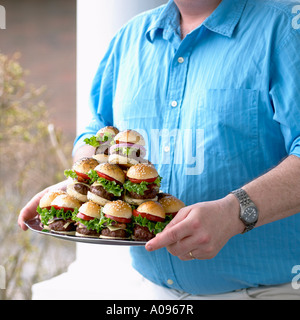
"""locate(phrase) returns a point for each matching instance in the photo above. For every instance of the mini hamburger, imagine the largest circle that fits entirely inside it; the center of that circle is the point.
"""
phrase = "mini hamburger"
(142, 184)
(59, 217)
(107, 184)
(102, 142)
(88, 220)
(128, 149)
(171, 205)
(80, 170)
(116, 220)
(46, 200)
(148, 221)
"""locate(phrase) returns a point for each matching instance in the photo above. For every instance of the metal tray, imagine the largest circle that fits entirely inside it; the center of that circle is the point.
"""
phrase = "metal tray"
(34, 225)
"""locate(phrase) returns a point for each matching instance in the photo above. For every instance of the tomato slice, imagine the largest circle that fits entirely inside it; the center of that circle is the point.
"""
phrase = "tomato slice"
(82, 177)
(84, 217)
(147, 216)
(141, 180)
(102, 175)
(65, 208)
(118, 219)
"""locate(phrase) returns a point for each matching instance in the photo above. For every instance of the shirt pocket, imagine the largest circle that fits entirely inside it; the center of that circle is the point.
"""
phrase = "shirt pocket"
(229, 118)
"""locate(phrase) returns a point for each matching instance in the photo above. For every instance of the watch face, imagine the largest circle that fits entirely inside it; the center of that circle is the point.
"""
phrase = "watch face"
(250, 214)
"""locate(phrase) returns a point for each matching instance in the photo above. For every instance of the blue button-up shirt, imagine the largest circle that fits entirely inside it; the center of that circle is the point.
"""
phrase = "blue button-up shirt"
(217, 109)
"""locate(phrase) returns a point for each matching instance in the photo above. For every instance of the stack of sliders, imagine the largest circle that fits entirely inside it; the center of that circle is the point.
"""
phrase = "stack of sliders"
(113, 195)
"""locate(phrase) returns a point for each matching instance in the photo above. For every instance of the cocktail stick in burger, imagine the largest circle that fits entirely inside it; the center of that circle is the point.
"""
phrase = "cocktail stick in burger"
(142, 184)
(88, 220)
(128, 150)
(108, 183)
(149, 220)
(116, 220)
(102, 142)
(59, 217)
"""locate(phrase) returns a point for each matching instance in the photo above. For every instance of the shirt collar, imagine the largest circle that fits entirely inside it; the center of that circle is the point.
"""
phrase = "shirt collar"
(223, 20)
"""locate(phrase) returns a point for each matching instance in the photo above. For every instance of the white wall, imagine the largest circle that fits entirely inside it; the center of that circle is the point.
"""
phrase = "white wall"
(97, 22)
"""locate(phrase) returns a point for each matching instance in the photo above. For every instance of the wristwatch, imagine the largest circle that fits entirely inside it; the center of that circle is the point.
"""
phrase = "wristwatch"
(248, 210)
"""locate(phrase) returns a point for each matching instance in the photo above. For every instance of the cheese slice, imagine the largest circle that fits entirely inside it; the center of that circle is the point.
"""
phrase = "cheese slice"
(113, 228)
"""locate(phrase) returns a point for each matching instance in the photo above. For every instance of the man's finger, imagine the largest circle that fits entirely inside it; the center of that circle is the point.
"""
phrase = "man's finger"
(168, 237)
(180, 216)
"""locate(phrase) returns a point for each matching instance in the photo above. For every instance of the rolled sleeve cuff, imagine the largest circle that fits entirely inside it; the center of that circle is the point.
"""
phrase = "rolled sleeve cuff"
(295, 148)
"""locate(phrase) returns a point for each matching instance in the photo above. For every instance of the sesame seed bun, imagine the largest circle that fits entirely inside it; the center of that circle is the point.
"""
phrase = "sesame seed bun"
(91, 209)
(108, 129)
(171, 204)
(130, 136)
(112, 171)
(152, 207)
(84, 165)
(118, 209)
(47, 199)
(142, 171)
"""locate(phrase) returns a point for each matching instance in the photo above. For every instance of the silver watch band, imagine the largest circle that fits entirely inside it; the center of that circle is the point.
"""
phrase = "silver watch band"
(245, 202)
(242, 196)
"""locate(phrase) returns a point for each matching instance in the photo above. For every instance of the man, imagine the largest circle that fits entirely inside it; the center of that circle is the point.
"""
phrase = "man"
(223, 74)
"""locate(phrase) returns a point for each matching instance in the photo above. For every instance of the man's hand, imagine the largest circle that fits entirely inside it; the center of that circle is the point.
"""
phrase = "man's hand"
(29, 211)
(200, 231)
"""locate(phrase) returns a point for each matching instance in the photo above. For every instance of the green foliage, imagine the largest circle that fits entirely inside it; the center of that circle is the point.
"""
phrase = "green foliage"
(29, 162)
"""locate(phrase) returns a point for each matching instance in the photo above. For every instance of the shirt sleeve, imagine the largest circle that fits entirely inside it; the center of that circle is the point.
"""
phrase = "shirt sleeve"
(285, 89)
(100, 102)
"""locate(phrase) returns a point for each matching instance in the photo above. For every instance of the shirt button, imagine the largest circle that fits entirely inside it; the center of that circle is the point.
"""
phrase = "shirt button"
(170, 282)
(167, 149)
(180, 60)
(174, 104)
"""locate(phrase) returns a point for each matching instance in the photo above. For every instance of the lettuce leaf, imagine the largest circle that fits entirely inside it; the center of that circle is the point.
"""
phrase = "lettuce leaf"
(104, 222)
(92, 141)
(47, 215)
(140, 188)
(110, 186)
(155, 227)
(90, 225)
(96, 141)
(71, 174)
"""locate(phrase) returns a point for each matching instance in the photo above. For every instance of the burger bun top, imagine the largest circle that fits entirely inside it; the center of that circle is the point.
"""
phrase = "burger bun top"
(109, 129)
(171, 204)
(142, 171)
(84, 165)
(152, 207)
(119, 209)
(111, 170)
(66, 201)
(130, 136)
(91, 209)
(48, 197)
